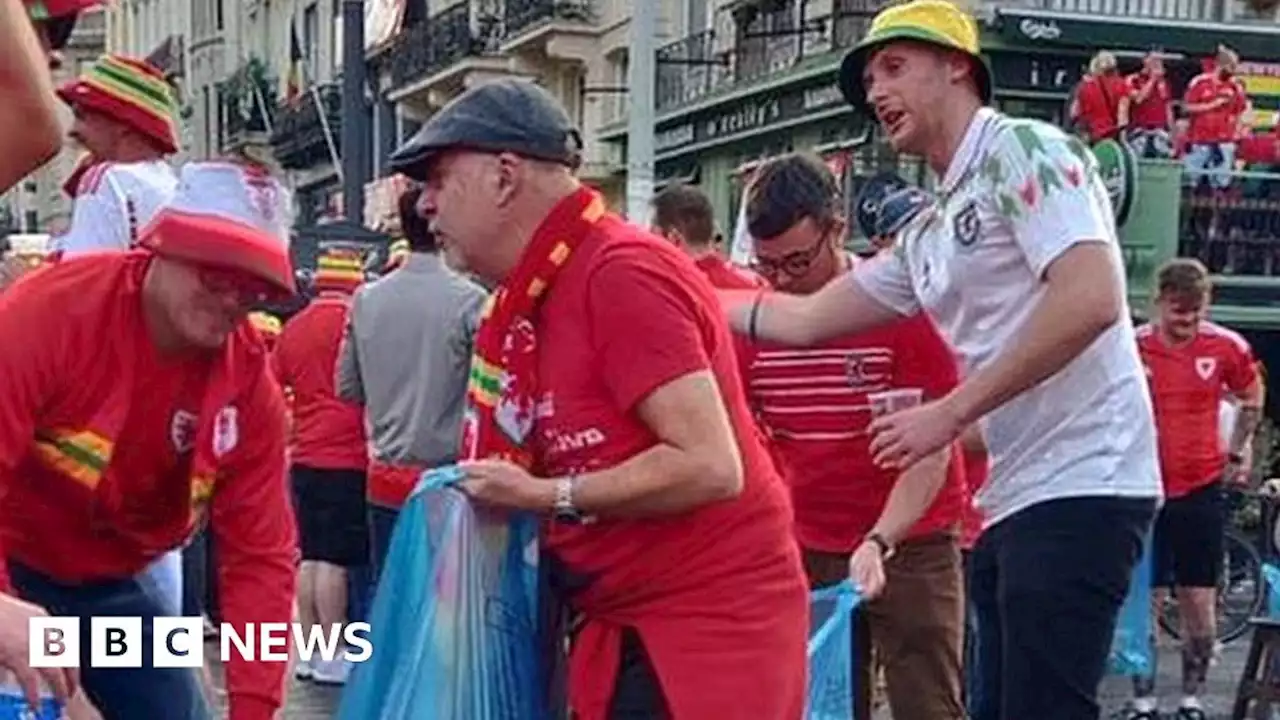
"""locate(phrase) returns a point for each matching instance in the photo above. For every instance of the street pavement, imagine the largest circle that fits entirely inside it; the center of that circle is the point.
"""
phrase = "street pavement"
(307, 701)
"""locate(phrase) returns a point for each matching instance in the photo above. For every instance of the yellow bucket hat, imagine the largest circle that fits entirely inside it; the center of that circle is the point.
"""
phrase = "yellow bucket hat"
(936, 22)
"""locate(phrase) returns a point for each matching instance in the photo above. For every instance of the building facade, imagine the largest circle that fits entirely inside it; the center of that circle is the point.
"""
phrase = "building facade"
(758, 77)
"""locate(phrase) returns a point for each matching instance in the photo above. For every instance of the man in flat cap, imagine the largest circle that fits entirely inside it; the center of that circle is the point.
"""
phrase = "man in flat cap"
(1019, 265)
(604, 365)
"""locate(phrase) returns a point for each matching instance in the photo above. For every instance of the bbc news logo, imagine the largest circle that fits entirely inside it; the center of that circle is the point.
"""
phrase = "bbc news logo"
(178, 642)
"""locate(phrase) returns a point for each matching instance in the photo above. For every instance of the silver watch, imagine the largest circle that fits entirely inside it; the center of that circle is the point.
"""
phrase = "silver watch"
(564, 508)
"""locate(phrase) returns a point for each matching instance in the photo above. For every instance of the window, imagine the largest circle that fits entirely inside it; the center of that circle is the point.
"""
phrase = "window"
(217, 15)
(32, 221)
(310, 35)
(31, 186)
(697, 17)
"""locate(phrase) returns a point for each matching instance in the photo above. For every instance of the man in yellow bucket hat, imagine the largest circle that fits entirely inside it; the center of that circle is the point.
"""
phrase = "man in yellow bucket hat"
(1018, 264)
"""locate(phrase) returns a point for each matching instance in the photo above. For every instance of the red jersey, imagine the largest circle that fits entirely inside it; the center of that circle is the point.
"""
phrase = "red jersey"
(1153, 112)
(726, 276)
(328, 433)
(814, 403)
(98, 446)
(714, 593)
(1098, 104)
(1219, 125)
(1188, 382)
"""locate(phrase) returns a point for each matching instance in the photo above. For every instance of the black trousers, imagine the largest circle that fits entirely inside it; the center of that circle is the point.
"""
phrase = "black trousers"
(637, 694)
(1047, 585)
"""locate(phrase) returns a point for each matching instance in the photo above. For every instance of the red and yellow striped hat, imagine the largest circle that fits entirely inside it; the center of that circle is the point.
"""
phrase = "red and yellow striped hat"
(397, 254)
(130, 91)
(340, 269)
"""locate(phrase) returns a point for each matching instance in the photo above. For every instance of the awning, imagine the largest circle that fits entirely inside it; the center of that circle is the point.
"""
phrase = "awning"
(382, 19)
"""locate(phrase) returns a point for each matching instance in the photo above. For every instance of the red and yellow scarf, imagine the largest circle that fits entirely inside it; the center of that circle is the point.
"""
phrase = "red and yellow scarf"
(502, 392)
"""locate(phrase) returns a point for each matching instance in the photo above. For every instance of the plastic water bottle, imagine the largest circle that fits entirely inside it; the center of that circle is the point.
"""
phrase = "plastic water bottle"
(14, 706)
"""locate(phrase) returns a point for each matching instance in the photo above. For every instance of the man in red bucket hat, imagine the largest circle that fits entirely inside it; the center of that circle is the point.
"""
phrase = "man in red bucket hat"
(124, 117)
(146, 408)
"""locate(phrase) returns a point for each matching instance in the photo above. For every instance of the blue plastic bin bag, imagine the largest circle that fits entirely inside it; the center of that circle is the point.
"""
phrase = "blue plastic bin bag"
(1133, 645)
(454, 622)
(831, 652)
(1271, 575)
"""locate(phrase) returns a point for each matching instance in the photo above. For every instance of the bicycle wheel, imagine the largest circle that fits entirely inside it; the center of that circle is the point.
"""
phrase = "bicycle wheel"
(1241, 591)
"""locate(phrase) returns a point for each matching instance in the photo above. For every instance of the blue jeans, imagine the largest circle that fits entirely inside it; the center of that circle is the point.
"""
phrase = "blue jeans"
(1047, 585)
(145, 693)
(972, 670)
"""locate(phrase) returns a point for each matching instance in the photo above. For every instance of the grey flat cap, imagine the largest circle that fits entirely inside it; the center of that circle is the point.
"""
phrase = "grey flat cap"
(516, 116)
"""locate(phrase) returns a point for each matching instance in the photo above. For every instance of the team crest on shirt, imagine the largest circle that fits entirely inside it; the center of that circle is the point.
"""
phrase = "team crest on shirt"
(1205, 367)
(855, 371)
(182, 431)
(966, 225)
(226, 431)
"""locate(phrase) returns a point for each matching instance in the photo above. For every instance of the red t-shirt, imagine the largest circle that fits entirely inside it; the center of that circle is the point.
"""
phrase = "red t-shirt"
(726, 276)
(1188, 382)
(1220, 125)
(1098, 104)
(328, 433)
(79, 506)
(1260, 149)
(1153, 112)
(814, 403)
(713, 593)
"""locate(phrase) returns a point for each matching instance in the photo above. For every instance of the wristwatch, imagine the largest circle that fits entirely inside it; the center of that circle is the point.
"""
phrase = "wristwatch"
(565, 511)
(886, 548)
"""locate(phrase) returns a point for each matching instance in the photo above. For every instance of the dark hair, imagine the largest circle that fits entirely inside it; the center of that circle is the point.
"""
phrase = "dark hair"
(416, 229)
(1183, 277)
(687, 209)
(788, 189)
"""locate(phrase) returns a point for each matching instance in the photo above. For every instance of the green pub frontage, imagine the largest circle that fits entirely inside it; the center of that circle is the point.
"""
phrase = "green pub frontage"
(1037, 57)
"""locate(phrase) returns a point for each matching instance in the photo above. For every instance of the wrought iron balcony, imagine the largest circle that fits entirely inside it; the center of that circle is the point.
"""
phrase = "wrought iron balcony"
(521, 15)
(755, 42)
(299, 137)
(424, 49)
(246, 108)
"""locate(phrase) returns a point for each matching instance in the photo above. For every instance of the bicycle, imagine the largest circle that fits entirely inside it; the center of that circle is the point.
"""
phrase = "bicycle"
(1242, 591)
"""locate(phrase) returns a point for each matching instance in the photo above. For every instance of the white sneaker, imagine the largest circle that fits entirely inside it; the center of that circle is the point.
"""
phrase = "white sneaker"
(329, 672)
(303, 670)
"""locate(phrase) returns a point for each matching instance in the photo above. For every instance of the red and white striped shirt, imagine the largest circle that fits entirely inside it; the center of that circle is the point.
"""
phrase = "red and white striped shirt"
(813, 402)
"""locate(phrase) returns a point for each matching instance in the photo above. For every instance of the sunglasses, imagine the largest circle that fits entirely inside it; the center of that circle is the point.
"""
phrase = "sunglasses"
(246, 289)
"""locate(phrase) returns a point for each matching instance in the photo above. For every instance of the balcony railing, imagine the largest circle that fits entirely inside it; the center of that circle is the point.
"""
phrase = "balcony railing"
(299, 137)
(521, 15)
(754, 46)
(243, 98)
(436, 43)
(1234, 230)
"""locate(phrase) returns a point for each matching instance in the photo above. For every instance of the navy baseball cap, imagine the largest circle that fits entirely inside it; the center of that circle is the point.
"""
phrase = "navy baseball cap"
(509, 115)
(887, 203)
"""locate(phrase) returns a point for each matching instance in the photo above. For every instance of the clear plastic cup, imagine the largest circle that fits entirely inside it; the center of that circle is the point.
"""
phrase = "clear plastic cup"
(888, 402)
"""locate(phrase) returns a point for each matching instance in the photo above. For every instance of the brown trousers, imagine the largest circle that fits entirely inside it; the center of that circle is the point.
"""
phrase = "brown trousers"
(916, 628)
